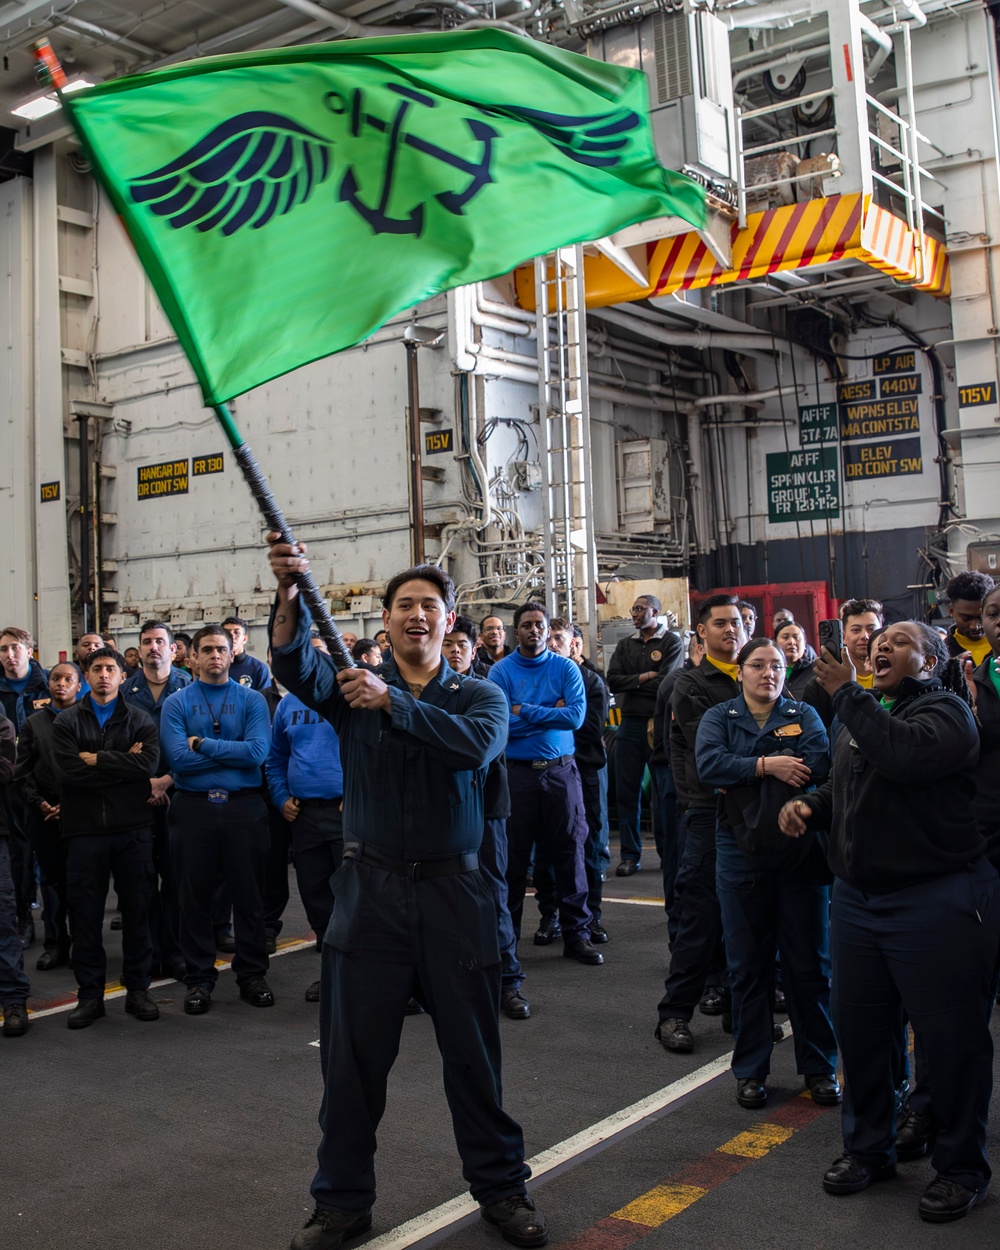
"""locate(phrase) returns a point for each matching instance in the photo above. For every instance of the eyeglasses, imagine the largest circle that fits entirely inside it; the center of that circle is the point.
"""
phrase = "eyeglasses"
(759, 666)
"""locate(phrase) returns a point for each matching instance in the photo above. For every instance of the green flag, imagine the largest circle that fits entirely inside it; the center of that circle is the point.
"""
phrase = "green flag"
(287, 203)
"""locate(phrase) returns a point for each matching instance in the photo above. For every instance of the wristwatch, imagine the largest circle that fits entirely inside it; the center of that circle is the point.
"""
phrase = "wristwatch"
(196, 745)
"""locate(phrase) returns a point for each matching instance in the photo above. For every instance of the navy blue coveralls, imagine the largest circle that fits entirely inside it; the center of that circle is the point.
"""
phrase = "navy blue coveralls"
(412, 912)
(634, 656)
(775, 898)
(592, 765)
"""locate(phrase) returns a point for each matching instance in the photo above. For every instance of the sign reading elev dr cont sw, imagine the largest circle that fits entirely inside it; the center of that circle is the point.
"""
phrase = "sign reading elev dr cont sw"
(884, 458)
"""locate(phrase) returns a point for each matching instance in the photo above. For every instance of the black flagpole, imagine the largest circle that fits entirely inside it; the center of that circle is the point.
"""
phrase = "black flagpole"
(254, 477)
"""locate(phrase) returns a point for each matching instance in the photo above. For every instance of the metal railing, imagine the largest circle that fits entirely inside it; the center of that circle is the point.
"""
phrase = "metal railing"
(564, 416)
(908, 181)
(745, 153)
(912, 174)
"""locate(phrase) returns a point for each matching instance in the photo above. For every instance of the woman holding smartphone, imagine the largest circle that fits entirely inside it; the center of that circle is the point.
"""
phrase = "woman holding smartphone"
(758, 749)
(916, 910)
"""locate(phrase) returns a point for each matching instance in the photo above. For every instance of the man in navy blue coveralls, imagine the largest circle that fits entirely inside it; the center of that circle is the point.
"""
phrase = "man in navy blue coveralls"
(412, 913)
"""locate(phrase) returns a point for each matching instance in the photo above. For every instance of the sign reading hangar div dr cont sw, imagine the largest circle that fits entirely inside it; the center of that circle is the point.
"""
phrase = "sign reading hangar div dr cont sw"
(171, 477)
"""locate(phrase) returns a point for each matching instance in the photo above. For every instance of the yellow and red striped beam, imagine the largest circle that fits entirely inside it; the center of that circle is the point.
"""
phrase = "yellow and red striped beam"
(794, 236)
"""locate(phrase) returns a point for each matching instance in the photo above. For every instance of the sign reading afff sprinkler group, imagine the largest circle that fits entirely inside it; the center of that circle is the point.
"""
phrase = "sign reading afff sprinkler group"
(803, 485)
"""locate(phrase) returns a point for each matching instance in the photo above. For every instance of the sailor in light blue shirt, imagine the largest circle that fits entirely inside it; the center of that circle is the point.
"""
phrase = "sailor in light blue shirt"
(547, 701)
(215, 735)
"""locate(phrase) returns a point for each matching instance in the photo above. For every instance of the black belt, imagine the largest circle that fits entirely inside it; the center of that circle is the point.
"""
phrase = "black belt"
(230, 794)
(416, 869)
(541, 765)
(322, 802)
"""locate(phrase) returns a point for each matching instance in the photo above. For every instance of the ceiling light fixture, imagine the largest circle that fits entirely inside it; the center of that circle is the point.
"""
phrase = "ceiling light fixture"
(37, 106)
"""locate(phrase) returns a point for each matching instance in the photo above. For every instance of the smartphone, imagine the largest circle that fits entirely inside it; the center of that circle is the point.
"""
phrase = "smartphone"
(831, 636)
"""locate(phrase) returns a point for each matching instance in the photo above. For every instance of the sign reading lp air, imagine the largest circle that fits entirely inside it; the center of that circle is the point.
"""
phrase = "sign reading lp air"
(895, 362)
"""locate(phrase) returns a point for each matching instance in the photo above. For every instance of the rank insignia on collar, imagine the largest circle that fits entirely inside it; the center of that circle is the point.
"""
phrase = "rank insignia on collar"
(453, 686)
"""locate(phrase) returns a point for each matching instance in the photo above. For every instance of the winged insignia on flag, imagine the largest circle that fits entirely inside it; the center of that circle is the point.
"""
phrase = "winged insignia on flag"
(257, 166)
(245, 171)
(591, 140)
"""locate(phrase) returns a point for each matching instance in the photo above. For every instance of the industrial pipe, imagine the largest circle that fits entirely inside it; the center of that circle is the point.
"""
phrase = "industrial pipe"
(342, 27)
(85, 509)
(416, 471)
(766, 16)
(415, 337)
(701, 340)
(738, 400)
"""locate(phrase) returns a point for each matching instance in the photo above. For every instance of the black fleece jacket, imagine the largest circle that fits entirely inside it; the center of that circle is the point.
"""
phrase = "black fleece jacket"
(37, 773)
(695, 691)
(636, 655)
(496, 788)
(113, 793)
(986, 805)
(898, 804)
(799, 679)
(588, 740)
(662, 714)
(8, 754)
